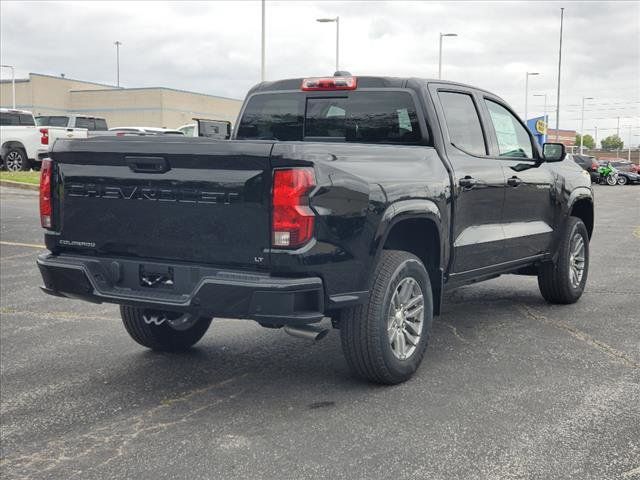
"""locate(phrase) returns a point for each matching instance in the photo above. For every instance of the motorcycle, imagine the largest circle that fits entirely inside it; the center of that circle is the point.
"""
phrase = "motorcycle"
(608, 174)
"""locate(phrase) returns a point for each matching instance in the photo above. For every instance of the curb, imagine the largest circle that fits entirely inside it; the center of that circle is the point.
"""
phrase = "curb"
(24, 186)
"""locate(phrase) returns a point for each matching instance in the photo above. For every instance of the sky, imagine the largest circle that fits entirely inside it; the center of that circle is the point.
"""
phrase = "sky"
(214, 47)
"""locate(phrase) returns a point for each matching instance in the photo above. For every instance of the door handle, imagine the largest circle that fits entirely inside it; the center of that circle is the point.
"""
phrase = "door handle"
(514, 181)
(148, 164)
(468, 182)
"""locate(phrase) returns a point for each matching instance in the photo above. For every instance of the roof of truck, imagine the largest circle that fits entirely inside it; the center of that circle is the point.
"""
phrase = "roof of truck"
(364, 81)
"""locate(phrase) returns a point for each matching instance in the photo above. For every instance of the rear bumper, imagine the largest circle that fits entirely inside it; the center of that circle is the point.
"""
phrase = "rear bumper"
(201, 290)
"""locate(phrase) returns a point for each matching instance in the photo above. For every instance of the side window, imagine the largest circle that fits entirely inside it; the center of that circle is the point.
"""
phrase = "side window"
(463, 122)
(9, 118)
(101, 124)
(85, 122)
(27, 120)
(513, 140)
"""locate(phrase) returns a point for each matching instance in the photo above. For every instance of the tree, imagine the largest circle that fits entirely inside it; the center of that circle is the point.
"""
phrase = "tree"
(612, 142)
(587, 142)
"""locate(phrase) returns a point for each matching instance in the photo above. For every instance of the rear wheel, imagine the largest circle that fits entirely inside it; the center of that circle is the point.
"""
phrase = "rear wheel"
(385, 339)
(162, 330)
(16, 160)
(563, 281)
(622, 180)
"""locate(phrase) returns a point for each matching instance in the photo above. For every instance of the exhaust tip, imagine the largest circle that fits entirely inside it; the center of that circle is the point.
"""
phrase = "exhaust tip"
(315, 333)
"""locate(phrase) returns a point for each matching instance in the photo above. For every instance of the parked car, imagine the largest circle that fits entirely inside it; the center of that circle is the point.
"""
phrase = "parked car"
(628, 177)
(20, 140)
(145, 131)
(359, 199)
(217, 129)
(588, 163)
(625, 166)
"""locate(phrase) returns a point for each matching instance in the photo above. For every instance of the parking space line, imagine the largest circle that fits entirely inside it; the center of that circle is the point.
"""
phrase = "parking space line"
(584, 337)
(636, 232)
(28, 245)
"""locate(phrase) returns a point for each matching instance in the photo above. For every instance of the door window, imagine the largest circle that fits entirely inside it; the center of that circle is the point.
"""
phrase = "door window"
(513, 139)
(463, 122)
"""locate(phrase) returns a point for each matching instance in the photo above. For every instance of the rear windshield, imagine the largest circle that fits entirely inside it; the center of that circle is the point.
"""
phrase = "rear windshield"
(15, 118)
(57, 121)
(362, 117)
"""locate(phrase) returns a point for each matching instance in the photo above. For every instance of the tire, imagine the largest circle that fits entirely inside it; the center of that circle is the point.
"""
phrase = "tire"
(16, 160)
(163, 337)
(556, 281)
(364, 330)
(622, 180)
(611, 180)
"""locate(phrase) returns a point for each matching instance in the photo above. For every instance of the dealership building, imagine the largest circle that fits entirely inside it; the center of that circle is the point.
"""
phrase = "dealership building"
(149, 107)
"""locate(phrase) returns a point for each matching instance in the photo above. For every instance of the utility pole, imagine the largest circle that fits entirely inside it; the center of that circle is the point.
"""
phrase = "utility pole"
(596, 129)
(559, 73)
(618, 128)
(117, 44)
(13, 82)
(262, 65)
(582, 123)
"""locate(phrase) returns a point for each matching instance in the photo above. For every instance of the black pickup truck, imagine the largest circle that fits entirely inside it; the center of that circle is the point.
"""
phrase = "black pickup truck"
(360, 199)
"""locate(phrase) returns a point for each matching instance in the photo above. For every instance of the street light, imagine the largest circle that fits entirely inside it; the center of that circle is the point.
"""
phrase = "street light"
(337, 20)
(117, 43)
(13, 82)
(440, 54)
(546, 121)
(526, 94)
(582, 123)
(262, 46)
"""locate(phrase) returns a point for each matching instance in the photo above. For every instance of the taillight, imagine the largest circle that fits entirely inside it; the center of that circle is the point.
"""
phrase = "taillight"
(293, 219)
(44, 136)
(46, 210)
(329, 83)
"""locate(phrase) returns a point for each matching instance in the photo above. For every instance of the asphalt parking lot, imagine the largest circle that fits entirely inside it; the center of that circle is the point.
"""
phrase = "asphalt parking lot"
(511, 387)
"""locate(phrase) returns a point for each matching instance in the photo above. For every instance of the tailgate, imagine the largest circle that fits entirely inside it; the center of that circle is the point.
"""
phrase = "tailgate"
(191, 200)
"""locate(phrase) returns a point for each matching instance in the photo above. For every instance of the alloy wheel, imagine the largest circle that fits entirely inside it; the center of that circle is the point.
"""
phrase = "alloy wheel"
(576, 260)
(405, 318)
(14, 160)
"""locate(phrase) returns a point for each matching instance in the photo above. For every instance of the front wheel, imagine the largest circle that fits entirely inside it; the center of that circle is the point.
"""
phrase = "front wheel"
(385, 339)
(612, 180)
(563, 281)
(161, 330)
(622, 180)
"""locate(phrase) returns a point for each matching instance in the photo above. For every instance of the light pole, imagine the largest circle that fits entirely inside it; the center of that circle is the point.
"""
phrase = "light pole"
(337, 20)
(13, 82)
(544, 115)
(117, 43)
(559, 72)
(440, 52)
(526, 94)
(262, 63)
(582, 123)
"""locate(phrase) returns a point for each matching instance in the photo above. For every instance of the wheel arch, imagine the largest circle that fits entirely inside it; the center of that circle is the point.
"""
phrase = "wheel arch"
(9, 144)
(415, 226)
(581, 206)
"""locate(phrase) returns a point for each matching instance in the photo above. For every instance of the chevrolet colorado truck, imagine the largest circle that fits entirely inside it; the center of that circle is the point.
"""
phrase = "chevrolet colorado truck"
(360, 199)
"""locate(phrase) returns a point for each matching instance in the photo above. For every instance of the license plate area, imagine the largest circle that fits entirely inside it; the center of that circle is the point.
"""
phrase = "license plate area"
(155, 276)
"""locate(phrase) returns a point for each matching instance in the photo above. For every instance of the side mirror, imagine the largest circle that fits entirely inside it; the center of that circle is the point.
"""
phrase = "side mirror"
(554, 152)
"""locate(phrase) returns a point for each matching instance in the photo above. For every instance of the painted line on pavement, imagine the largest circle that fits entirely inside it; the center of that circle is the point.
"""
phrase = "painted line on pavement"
(18, 244)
